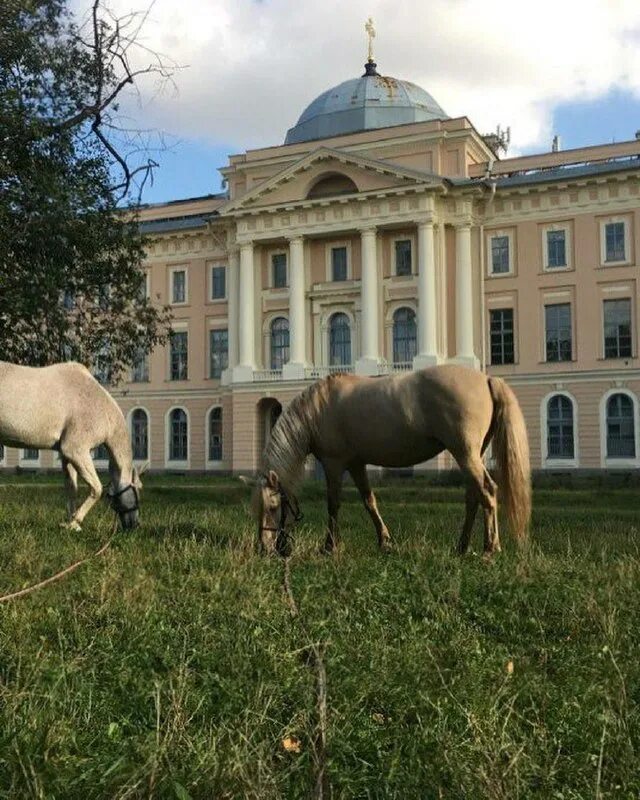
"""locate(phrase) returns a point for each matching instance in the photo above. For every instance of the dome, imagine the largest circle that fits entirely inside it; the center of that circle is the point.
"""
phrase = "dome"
(363, 104)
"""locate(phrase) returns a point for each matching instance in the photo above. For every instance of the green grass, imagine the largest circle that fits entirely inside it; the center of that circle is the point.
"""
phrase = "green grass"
(170, 667)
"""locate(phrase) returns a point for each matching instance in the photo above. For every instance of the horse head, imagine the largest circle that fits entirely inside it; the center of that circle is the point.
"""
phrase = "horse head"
(125, 500)
(274, 511)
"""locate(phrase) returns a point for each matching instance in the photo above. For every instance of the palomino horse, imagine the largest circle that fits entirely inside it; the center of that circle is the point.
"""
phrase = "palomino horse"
(64, 408)
(347, 422)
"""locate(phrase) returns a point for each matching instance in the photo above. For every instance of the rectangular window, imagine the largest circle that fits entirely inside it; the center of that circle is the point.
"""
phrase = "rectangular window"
(179, 367)
(279, 270)
(30, 454)
(556, 249)
(557, 321)
(403, 257)
(143, 292)
(617, 328)
(338, 263)
(140, 369)
(499, 255)
(614, 241)
(179, 286)
(218, 283)
(501, 331)
(218, 352)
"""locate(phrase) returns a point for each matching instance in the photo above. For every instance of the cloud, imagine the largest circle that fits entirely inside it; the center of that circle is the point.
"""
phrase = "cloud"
(252, 67)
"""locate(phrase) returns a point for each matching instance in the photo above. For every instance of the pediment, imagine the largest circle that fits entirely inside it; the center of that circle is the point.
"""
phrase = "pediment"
(294, 183)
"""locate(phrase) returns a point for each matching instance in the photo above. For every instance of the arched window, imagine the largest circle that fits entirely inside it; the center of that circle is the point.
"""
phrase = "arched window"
(331, 185)
(339, 340)
(404, 335)
(279, 342)
(560, 427)
(140, 434)
(100, 453)
(621, 433)
(178, 435)
(215, 434)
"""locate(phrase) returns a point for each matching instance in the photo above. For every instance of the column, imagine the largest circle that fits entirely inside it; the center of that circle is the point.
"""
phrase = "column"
(232, 313)
(294, 368)
(464, 297)
(368, 363)
(427, 315)
(243, 371)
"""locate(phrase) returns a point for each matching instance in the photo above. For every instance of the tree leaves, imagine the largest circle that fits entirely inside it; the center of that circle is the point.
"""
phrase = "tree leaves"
(71, 284)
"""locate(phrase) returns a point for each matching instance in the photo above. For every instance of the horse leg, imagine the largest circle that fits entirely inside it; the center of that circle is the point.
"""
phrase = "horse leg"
(86, 470)
(333, 474)
(472, 503)
(71, 486)
(361, 480)
(485, 487)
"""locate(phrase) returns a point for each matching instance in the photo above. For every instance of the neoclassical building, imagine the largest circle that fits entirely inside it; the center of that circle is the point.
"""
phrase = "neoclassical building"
(384, 236)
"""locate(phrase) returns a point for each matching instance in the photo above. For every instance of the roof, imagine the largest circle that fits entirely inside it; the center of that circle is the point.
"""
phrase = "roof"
(175, 223)
(560, 174)
(369, 102)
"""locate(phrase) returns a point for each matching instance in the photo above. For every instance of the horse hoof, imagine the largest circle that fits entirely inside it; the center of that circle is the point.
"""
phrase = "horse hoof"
(386, 546)
(71, 526)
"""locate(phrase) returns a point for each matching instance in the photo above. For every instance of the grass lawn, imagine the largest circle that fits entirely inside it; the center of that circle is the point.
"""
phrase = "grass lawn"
(170, 667)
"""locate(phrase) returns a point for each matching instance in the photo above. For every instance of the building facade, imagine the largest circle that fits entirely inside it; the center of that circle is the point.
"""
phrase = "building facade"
(384, 236)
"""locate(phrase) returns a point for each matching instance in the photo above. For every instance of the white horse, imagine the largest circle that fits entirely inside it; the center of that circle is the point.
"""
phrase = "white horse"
(62, 407)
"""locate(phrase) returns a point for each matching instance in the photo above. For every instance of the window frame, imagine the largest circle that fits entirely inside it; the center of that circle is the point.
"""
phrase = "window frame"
(496, 309)
(550, 462)
(224, 297)
(552, 228)
(332, 245)
(177, 331)
(133, 379)
(396, 310)
(283, 347)
(412, 256)
(212, 330)
(214, 463)
(172, 273)
(271, 280)
(351, 339)
(168, 462)
(631, 354)
(546, 341)
(130, 414)
(613, 220)
(605, 460)
(502, 233)
(28, 462)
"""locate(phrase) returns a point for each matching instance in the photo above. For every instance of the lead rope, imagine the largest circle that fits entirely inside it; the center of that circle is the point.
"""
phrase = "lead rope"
(315, 659)
(66, 571)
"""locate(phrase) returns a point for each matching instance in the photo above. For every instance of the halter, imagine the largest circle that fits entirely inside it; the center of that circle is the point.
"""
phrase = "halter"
(114, 496)
(284, 537)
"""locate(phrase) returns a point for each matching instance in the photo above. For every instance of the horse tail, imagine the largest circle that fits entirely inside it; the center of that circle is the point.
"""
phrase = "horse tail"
(511, 451)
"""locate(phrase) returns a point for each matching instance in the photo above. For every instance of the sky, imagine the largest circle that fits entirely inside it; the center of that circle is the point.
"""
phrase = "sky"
(248, 68)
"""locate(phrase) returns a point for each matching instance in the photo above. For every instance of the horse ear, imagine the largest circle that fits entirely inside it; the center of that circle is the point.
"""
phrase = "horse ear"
(135, 478)
(272, 479)
(247, 480)
(143, 469)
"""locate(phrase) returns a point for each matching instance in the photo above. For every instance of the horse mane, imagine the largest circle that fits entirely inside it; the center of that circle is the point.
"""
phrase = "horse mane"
(294, 432)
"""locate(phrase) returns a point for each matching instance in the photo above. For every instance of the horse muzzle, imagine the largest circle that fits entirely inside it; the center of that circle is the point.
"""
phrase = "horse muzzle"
(126, 504)
(129, 519)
